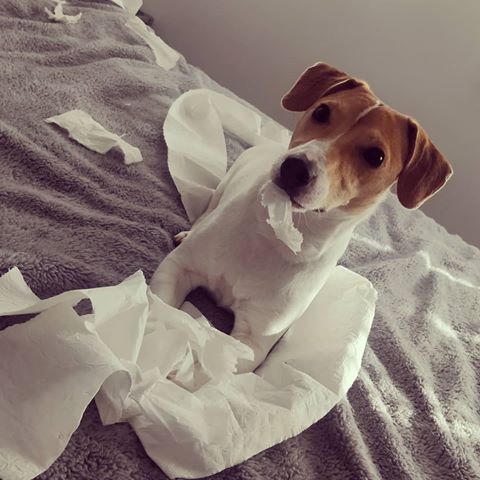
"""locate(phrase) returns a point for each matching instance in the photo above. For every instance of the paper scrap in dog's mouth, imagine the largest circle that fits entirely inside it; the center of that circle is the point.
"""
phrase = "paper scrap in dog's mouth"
(168, 373)
(279, 206)
(89, 133)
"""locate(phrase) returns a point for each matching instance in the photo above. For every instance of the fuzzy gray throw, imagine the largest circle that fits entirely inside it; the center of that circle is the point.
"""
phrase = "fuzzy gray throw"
(72, 218)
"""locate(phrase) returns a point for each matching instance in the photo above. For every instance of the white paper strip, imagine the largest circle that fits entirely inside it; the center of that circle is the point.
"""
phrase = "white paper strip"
(88, 132)
(165, 56)
(131, 6)
(168, 374)
(58, 16)
(197, 154)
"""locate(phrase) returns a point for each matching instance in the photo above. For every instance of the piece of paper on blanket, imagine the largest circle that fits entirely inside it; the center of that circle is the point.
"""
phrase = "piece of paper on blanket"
(165, 56)
(59, 16)
(89, 133)
(168, 374)
(197, 155)
(131, 6)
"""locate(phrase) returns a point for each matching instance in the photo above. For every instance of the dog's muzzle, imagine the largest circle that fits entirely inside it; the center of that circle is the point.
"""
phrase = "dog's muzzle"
(295, 174)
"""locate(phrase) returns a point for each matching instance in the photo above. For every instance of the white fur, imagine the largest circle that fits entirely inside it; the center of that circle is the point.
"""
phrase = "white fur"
(232, 251)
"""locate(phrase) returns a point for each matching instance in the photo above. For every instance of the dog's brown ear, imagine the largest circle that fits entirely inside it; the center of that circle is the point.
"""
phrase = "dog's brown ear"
(426, 170)
(314, 83)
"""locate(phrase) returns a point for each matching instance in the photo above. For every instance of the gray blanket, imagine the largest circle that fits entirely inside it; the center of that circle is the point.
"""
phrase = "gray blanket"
(71, 218)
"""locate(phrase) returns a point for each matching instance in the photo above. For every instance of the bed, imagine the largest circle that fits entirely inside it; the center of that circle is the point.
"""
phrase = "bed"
(71, 218)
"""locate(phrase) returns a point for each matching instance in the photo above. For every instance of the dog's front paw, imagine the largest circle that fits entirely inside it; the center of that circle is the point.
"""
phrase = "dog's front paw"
(247, 366)
(181, 236)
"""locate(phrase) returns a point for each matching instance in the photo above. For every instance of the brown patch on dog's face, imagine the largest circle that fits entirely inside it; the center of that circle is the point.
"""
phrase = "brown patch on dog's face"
(356, 183)
(363, 147)
(344, 108)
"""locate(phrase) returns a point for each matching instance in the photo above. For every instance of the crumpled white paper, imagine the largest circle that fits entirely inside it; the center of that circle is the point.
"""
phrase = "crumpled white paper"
(168, 374)
(88, 132)
(165, 56)
(58, 16)
(197, 154)
(280, 218)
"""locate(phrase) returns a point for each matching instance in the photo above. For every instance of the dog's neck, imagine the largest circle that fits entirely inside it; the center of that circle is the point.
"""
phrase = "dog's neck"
(325, 235)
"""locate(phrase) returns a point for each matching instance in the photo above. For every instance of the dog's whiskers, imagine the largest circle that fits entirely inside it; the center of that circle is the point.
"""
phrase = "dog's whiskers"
(305, 217)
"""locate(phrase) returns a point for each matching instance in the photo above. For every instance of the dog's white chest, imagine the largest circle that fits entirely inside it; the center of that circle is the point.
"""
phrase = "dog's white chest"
(234, 253)
(222, 289)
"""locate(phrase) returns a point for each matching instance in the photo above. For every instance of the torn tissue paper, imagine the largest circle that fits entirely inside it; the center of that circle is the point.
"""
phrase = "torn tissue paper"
(131, 6)
(279, 208)
(168, 374)
(88, 132)
(165, 56)
(58, 16)
(197, 154)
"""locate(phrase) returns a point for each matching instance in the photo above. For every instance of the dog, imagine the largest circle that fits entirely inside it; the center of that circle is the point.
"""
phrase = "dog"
(346, 152)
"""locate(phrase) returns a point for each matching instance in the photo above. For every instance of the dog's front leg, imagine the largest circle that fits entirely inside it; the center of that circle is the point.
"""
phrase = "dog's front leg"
(172, 281)
(261, 344)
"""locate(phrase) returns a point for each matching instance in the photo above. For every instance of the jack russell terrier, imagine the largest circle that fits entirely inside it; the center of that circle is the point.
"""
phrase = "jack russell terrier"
(346, 151)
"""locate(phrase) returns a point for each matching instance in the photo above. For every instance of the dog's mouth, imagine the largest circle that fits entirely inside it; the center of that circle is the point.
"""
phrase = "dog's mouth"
(295, 204)
(298, 207)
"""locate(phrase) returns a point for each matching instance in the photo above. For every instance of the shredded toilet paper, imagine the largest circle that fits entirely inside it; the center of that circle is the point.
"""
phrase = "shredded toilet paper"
(198, 162)
(58, 16)
(168, 374)
(165, 56)
(280, 218)
(131, 6)
(88, 132)
(197, 154)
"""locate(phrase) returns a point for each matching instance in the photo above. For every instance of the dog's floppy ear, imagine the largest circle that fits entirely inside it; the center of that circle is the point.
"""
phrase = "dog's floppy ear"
(315, 82)
(426, 170)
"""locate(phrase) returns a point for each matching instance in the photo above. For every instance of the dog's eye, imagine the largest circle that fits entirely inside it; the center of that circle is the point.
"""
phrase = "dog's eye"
(373, 156)
(322, 113)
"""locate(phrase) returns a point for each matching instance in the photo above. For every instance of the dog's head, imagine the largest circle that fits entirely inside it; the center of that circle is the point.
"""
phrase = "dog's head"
(348, 148)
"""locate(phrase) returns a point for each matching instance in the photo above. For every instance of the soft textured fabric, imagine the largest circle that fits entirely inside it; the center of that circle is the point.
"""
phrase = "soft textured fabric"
(72, 218)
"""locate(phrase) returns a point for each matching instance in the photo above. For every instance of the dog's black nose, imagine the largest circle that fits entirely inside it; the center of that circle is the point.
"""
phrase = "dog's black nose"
(294, 173)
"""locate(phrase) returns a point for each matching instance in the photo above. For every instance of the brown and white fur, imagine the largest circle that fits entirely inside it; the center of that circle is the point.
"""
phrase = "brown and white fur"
(233, 252)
